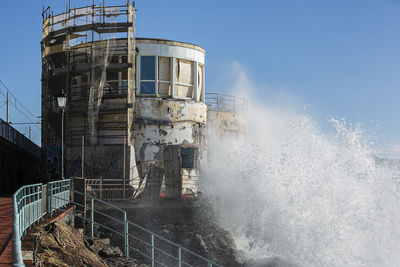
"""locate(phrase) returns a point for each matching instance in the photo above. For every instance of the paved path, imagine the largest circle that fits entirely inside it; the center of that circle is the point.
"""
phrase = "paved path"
(5, 232)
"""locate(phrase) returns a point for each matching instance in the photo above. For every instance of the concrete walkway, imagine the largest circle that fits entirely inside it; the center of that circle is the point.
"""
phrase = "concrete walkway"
(5, 232)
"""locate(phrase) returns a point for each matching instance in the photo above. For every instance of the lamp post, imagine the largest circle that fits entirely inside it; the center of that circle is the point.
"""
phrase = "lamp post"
(62, 101)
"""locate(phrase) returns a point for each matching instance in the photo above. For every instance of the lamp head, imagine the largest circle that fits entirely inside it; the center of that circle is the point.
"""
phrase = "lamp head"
(62, 100)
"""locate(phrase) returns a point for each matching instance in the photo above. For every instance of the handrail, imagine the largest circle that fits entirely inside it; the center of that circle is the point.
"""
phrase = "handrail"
(27, 210)
(28, 202)
(226, 103)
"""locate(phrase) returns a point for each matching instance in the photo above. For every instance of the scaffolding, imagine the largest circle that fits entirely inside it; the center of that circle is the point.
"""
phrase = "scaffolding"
(88, 54)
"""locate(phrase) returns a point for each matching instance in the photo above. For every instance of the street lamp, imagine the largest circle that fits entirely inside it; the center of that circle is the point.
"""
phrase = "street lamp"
(62, 101)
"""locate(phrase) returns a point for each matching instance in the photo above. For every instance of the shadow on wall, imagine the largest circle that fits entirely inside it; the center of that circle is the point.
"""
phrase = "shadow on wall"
(17, 168)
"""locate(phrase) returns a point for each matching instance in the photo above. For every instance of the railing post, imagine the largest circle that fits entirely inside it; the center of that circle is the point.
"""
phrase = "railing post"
(126, 237)
(17, 254)
(152, 250)
(91, 217)
(179, 256)
(101, 187)
(48, 194)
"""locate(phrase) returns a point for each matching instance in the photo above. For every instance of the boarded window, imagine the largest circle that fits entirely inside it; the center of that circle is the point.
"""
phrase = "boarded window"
(184, 78)
(200, 71)
(164, 76)
(187, 157)
(184, 72)
(164, 89)
(164, 69)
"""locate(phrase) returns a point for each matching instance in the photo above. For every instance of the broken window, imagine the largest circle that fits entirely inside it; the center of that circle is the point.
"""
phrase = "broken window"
(187, 157)
(147, 74)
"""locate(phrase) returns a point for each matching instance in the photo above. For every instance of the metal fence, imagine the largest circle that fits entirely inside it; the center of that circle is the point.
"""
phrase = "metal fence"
(226, 103)
(109, 189)
(152, 248)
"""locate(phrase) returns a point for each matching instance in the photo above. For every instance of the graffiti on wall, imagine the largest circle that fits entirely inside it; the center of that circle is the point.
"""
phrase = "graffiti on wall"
(52, 163)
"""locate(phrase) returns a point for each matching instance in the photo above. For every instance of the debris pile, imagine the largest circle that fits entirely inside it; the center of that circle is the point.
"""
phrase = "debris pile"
(60, 245)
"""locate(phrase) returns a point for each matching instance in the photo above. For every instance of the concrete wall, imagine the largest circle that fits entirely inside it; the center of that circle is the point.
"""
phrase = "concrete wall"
(17, 167)
(226, 124)
(162, 128)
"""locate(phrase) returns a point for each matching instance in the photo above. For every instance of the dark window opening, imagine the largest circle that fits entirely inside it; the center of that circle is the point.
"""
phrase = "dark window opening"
(112, 76)
(187, 157)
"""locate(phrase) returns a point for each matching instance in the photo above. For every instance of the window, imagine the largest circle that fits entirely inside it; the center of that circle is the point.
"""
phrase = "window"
(147, 74)
(187, 157)
(184, 78)
(164, 76)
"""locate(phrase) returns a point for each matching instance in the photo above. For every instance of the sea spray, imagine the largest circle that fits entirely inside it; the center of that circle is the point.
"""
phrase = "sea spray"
(295, 192)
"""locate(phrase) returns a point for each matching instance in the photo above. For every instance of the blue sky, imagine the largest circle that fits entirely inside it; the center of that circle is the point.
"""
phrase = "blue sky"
(338, 58)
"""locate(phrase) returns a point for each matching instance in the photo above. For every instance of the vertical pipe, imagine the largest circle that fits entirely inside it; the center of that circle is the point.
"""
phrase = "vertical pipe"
(91, 217)
(179, 256)
(126, 236)
(124, 171)
(152, 250)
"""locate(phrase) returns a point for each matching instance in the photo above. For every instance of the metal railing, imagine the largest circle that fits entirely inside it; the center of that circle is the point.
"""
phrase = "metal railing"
(109, 189)
(226, 103)
(27, 210)
(152, 248)
(58, 195)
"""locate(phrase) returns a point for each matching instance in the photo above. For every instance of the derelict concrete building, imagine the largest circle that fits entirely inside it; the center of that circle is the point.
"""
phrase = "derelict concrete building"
(135, 111)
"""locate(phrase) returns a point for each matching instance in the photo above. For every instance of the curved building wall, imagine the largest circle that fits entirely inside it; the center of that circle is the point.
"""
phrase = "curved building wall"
(88, 54)
(170, 117)
(135, 106)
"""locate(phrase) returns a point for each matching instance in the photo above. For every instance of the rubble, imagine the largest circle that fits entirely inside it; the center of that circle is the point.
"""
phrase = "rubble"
(60, 245)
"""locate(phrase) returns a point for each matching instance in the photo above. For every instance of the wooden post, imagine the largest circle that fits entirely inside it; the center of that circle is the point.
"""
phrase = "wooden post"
(123, 175)
(83, 156)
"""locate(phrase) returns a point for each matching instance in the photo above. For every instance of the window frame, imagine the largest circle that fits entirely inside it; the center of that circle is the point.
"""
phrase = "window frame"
(155, 81)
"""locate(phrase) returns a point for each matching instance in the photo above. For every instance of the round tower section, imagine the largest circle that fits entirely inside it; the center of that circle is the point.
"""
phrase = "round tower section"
(170, 117)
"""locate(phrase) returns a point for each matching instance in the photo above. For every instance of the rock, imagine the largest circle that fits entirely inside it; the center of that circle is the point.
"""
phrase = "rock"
(60, 245)
(110, 252)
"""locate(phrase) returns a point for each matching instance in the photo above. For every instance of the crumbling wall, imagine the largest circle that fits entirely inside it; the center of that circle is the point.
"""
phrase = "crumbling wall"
(163, 127)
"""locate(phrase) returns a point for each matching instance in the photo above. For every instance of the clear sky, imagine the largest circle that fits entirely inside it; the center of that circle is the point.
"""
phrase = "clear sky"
(339, 58)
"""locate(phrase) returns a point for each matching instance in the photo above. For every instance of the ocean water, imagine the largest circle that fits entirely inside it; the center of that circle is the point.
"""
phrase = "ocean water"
(294, 192)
